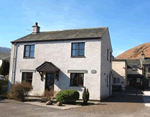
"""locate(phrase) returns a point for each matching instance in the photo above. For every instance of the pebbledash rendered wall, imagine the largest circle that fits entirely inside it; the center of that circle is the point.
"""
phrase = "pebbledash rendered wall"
(119, 69)
(59, 53)
(106, 67)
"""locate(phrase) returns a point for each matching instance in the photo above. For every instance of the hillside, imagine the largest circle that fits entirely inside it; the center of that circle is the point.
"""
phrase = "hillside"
(135, 53)
(4, 49)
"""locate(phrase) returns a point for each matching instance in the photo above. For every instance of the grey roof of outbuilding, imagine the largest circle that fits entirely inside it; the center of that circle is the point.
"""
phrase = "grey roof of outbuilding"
(64, 35)
(146, 61)
(130, 63)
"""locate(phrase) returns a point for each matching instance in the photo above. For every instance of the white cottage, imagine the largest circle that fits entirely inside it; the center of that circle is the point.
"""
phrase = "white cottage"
(67, 59)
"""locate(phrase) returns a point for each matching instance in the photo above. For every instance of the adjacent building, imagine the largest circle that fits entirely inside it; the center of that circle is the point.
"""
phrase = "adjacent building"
(131, 72)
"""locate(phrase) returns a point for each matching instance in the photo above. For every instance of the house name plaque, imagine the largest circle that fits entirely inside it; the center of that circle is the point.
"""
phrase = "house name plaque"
(93, 71)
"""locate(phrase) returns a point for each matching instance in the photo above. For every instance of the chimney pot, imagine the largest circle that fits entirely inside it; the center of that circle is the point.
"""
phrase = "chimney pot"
(36, 29)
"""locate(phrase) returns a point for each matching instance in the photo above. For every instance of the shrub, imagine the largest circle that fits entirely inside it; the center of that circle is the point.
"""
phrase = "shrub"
(3, 86)
(19, 91)
(4, 69)
(67, 96)
(47, 95)
(85, 96)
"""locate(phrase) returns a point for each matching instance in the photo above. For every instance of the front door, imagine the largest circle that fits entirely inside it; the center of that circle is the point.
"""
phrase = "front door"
(49, 83)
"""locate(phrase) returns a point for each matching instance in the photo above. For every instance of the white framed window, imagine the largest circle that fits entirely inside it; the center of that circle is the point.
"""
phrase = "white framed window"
(27, 77)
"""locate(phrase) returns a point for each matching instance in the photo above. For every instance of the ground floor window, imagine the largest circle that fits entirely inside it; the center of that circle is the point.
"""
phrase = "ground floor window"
(27, 77)
(76, 79)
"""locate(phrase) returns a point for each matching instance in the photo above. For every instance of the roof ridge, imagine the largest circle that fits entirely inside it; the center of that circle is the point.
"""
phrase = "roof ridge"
(74, 29)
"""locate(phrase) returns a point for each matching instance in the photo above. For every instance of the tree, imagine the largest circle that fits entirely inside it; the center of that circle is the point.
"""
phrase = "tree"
(4, 70)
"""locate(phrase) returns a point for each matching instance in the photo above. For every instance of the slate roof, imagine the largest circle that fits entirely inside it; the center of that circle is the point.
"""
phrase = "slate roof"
(47, 67)
(64, 35)
(146, 61)
(130, 63)
(4, 56)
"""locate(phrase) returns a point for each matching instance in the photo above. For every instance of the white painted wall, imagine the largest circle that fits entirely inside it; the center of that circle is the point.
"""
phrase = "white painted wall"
(105, 66)
(119, 69)
(59, 53)
(1, 62)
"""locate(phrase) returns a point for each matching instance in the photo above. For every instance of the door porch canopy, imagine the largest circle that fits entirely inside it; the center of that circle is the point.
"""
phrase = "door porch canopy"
(48, 67)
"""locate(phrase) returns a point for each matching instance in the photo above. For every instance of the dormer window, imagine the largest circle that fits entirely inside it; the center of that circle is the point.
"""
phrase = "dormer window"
(134, 68)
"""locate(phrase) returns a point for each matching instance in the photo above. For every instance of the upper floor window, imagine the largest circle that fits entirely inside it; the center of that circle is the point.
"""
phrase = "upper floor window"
(77, 49)
(29, 51)
(107, 54)
(110, 56)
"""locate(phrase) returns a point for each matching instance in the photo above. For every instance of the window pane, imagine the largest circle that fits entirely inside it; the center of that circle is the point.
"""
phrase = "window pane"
(74, 52)
(27, 77)
(32, 47)
(81, 52)
(81, 46)
(76, 79)
(31, 54)
(118, 80)
(75, 46)
(114, 80)
(27, 48)
(80, 79)
(26, 54)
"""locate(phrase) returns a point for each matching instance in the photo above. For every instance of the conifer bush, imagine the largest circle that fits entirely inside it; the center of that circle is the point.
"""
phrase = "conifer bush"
(85, 96)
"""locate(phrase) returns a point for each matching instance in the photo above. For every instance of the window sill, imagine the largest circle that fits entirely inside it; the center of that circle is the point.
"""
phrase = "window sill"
(29, 57)
(78, 57)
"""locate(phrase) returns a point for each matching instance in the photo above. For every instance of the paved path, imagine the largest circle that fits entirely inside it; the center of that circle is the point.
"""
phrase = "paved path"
(124, 105)
(146, 97)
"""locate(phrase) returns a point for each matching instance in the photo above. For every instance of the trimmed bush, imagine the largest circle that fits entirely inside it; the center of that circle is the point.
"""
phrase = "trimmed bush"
(85, 96)
(67, 96)
(19, 91)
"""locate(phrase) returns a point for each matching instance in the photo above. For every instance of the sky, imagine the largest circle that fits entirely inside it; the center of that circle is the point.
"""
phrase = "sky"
(128, 20)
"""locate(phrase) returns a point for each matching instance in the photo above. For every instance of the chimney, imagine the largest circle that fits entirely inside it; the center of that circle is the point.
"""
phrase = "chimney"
(36, 29)
(142, 59)
(142, 56)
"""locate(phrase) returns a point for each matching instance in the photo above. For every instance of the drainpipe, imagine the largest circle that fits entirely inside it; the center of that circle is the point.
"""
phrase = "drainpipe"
(12, 79)
(14, 64)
